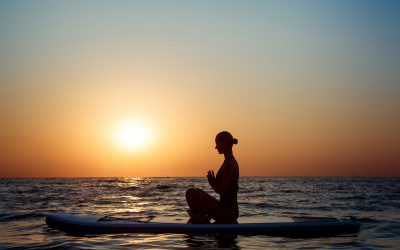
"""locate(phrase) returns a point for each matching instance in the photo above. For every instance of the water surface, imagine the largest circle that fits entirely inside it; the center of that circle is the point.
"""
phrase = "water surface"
(24, 203)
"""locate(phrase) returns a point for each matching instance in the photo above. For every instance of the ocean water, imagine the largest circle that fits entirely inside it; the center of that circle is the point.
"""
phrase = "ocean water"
(24, 203)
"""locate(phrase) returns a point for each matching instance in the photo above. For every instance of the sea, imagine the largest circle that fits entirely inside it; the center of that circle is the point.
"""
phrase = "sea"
(24, 204)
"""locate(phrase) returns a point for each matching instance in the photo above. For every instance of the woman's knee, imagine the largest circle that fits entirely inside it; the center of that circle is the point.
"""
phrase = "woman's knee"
(190, 193)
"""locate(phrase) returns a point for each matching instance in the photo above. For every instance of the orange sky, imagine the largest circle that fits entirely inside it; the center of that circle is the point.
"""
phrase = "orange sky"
(302, 99)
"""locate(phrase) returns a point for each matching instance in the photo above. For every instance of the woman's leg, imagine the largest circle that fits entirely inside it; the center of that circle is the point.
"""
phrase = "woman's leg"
(200, 202)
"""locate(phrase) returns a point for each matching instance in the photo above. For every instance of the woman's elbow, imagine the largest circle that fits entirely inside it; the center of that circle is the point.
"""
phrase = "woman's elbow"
(218, 190)
(222, 191)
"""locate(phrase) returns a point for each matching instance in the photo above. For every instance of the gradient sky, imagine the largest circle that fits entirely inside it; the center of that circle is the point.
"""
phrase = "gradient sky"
(310, 88)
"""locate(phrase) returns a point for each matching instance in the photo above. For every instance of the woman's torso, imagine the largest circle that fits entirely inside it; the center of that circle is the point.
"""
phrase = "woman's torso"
(229, 198)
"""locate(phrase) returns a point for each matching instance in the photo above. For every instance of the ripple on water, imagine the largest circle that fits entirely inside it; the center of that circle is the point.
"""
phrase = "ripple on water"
(25, 203)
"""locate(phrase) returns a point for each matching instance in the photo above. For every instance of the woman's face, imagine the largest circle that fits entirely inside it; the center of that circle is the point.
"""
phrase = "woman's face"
(221, 145)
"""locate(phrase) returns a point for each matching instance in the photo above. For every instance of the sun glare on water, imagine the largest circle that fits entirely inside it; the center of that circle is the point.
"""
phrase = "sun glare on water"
(133, 135)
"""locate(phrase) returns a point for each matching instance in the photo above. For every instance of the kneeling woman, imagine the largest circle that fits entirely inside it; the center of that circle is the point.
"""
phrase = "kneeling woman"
(203, 206)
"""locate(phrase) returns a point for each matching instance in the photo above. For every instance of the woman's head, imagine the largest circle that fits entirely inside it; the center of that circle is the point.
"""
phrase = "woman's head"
(224, 142)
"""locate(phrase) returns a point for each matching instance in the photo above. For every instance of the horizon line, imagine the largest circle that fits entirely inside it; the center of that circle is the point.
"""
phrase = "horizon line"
(252, 176)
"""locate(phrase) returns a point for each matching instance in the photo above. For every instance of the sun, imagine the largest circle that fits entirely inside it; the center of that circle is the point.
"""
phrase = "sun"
(132, 135)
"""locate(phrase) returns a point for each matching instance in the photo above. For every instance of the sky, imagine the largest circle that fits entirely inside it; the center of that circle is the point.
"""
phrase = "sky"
(141, 88)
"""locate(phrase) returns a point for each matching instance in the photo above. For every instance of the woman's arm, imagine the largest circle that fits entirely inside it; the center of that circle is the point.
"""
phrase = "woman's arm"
(226, 177)
(211, 179)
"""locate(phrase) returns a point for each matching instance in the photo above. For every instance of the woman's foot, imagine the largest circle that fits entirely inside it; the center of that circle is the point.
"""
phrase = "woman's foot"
(198, 218)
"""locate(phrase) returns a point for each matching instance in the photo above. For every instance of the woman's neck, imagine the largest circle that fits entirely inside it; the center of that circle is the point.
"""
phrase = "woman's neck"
(228, 155)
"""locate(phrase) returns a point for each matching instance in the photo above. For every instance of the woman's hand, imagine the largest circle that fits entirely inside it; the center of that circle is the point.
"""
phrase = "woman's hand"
(211, 178)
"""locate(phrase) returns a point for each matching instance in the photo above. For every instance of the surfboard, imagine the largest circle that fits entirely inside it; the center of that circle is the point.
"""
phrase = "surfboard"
(303, 227)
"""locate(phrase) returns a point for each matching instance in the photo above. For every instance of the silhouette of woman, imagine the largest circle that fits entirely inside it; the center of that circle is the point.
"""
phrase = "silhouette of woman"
(203, 206)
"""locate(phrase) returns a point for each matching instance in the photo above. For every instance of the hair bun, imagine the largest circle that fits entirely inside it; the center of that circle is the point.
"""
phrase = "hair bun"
(235, 141)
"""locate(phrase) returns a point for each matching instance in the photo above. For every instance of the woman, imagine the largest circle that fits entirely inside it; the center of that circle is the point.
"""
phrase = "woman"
(203, 206)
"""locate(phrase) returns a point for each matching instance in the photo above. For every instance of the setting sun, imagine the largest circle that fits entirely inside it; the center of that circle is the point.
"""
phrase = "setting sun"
(132, 135)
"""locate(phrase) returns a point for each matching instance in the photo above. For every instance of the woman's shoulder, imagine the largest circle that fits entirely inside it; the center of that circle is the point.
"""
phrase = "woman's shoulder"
(232, 164)
(232, 161)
